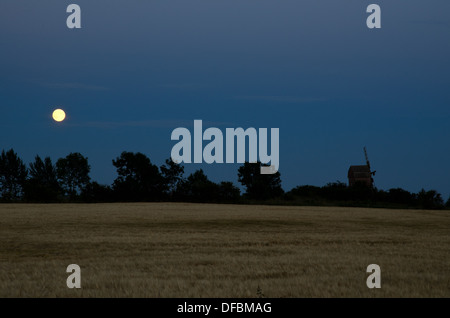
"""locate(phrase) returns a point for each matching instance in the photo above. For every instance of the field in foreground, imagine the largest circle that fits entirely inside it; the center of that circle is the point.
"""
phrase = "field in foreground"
(206, 250)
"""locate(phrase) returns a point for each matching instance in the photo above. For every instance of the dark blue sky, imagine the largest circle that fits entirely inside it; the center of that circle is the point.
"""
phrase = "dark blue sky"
(139, 69)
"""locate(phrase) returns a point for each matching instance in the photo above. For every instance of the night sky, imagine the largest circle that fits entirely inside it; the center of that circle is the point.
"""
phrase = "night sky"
(139, 69)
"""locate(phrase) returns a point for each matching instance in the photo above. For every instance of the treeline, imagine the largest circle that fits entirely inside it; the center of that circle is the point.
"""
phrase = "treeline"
(139, 180)
(338, 193)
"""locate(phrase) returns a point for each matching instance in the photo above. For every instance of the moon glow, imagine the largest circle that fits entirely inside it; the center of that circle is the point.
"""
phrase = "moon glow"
(59, 115)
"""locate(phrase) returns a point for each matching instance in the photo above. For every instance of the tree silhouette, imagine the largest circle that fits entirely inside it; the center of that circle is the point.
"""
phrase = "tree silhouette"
(42, 186)
(227, 192)
(95, 192)
(13, 174)
(339, 190)
(430, 199)
(73, 173)
(400, 196)
(306, 191)
(172, 174)
(259, 186)
(138, 179)
(198, 188)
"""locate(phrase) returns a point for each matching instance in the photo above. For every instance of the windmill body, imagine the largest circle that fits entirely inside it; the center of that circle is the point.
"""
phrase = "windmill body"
(361, 174)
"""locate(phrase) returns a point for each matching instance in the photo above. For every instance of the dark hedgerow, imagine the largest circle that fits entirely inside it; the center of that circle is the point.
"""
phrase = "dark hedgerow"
(139, 180)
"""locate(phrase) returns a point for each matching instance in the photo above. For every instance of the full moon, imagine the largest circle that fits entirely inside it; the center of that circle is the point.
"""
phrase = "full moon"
(58, 115)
